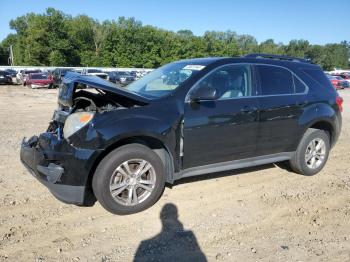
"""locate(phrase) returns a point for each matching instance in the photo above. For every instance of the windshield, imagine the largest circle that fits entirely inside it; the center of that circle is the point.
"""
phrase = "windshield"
(39, 76)
(94, 71)
(32, 71)
(123, 73)
(164, 80)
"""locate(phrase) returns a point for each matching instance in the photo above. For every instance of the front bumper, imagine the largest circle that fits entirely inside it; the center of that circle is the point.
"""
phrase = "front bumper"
(63, 169)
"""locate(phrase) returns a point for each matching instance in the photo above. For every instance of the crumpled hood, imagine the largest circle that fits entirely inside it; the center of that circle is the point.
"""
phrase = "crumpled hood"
(70, 80)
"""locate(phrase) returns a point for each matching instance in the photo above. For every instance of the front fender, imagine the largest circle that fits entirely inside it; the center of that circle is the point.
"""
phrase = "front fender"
(107, 129)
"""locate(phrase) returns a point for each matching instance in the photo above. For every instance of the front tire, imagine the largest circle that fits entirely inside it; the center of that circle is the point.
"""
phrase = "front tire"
(129, 179)
(312, 153)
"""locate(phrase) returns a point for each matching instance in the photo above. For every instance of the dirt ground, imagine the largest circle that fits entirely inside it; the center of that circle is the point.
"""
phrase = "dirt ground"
(263, 213)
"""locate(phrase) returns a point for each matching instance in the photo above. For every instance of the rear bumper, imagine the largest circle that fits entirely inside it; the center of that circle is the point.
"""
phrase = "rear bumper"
(56, 170)
(337, 128)
(34, 86)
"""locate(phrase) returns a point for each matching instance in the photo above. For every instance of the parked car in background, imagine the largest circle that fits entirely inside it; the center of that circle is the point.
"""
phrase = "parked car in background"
(135, 74)
(344, 76)
(58, 74)
(338, 82)
(121, 145)
(94, 72)
(39, 80)
(5, 78)
(13, 74)
(22, 74)
(78, 71)
(120, 77)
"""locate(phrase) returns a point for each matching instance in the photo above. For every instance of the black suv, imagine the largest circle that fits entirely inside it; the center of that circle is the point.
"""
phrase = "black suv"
(187, 118)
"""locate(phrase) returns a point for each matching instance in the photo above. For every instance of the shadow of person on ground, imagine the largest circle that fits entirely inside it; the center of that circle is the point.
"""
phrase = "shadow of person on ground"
(173, 243)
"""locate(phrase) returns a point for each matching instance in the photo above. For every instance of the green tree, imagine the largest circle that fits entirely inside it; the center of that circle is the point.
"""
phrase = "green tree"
(297, 48)
(57, 39)
(270, 47)
(335, 56)
(3, 55)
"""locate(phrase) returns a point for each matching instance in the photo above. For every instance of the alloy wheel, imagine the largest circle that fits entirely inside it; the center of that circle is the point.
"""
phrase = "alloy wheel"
(315, 153)
(132, 182)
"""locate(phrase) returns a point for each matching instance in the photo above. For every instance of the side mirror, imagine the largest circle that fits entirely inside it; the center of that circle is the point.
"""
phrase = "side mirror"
(207, 93)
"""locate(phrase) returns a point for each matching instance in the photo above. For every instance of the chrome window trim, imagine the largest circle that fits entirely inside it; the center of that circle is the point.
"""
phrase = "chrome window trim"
(187, 98)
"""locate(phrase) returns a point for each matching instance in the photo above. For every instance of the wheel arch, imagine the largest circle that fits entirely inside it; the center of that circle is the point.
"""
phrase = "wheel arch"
(326, 126)
(153, 143)
(322, 117)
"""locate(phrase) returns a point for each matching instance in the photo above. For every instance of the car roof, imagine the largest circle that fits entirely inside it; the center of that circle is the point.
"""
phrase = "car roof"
(201, 61)
(273, 60)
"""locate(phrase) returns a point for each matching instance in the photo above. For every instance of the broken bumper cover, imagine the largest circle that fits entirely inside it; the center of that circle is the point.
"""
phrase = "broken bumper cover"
(48, 167)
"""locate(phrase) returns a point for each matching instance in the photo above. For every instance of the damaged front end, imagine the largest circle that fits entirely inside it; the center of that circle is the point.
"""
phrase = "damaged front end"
(62, 167)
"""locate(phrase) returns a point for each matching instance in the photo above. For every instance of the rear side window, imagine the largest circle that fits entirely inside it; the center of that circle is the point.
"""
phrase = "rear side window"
(275, 80)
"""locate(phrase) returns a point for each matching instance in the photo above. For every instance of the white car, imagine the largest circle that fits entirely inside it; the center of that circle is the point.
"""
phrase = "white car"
(22, 74)
(94, 72)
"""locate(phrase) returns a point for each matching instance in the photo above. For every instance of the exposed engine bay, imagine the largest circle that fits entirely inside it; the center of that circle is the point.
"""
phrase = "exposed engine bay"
(81, 98)
(98, 101)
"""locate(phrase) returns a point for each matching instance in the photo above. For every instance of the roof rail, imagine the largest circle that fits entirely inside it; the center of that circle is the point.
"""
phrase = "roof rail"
(279, 57)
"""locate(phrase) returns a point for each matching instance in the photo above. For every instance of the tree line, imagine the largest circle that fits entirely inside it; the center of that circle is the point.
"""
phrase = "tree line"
(57, 39)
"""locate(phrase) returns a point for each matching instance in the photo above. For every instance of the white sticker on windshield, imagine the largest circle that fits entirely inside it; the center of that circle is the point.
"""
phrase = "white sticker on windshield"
(194, 67)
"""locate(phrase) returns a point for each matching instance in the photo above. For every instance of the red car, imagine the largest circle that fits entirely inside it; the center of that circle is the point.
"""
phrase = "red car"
(38, 80)
(345, 76)
(337, 82)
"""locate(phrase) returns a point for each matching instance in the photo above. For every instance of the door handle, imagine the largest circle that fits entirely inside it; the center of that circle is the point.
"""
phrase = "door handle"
(249, 109)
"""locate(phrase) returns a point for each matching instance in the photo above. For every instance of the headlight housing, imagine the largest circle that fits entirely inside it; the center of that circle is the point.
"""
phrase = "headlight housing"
(75, 122)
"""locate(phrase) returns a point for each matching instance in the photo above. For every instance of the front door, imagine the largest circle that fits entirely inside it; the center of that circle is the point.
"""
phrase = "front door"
(224, 128)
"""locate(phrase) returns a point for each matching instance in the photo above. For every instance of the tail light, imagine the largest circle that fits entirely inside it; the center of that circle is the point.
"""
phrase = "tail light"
(339, 102)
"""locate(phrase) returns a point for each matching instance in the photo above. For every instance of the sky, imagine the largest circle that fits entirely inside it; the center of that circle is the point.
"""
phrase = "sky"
(318, 21)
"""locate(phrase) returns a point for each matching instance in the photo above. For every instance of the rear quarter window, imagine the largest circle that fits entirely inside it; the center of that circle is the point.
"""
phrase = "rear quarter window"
(317, 76)
(300, 87)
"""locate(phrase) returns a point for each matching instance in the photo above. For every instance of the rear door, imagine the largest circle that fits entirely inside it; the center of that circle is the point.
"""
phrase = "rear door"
(281, 99)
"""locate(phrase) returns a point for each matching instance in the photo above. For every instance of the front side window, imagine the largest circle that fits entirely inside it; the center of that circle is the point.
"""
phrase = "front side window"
(275, 80)
(231, 81)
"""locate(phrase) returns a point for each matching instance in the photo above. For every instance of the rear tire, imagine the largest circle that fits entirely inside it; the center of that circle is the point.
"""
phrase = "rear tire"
(129, 179)
(312, 153)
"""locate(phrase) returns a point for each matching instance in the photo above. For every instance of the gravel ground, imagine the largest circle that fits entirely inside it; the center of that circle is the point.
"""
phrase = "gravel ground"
(263, 213)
